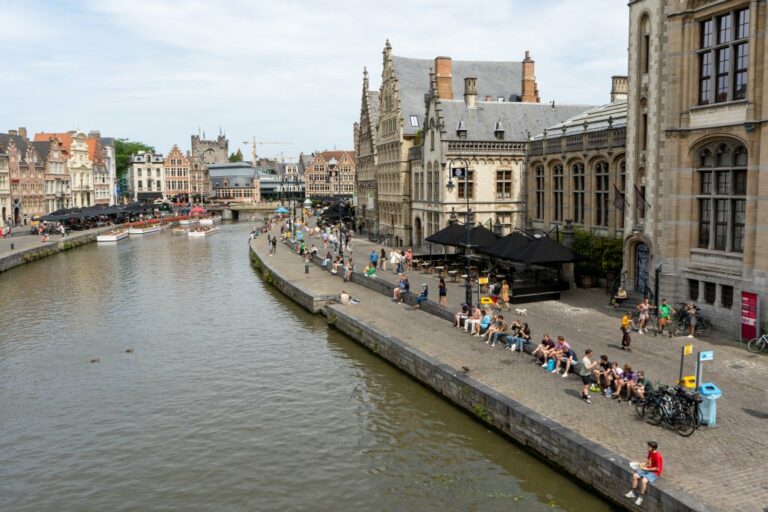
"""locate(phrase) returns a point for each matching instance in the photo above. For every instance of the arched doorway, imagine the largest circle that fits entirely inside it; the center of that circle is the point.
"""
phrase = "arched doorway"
(16, 216)
(417, 226)
(642, 257)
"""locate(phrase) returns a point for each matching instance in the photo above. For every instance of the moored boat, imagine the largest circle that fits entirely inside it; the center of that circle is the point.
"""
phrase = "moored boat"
(114, 235)
(180, 231)
(203, 231)
(188, 222)
(210, 221)
(144, 230)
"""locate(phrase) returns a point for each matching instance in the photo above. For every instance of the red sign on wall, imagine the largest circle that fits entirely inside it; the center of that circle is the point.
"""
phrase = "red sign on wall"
(750, 323)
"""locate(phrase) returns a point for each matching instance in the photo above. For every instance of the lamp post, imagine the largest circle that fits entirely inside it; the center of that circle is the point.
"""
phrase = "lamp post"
(458, 173)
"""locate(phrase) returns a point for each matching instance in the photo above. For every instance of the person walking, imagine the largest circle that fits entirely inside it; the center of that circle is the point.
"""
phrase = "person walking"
(374, 257)
(665, 315)
(647, 473)
(442, 291)
(504, 294)
(645, 314)
(626, 323)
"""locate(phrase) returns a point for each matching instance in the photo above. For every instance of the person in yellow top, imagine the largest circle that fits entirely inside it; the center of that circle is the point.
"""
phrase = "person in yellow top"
(626, 323)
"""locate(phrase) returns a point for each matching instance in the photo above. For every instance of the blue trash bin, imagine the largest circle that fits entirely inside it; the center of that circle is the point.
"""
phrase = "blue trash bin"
(710, 394)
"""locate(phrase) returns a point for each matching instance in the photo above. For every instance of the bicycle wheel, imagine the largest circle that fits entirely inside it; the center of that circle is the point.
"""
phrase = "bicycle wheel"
(639, 408)
(756, 345)
(653, 413)
(684, 423)
(635, 322)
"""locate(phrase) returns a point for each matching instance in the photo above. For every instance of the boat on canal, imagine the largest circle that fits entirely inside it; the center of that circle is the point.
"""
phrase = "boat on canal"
(189, 222)
(210, 221)
(144, 230)
(113, 236)
(203, 231)
(180, 230)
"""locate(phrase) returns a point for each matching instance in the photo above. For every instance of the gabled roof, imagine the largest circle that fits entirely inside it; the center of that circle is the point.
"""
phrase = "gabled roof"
(494, 79)
(19, 141)
(338, 155)
(595, 119)
(43, 148)
(519, 120)
(373, 108)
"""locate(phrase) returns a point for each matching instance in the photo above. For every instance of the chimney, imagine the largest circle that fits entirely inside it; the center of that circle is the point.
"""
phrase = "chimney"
(530, 90)
(13, 132)
(444, 75)
(489, 98)
(23, 132)
(470, 92)
(619, 88)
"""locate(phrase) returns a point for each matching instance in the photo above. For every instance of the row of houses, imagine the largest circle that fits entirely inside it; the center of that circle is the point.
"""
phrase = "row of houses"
(54, 171)
(670, 164)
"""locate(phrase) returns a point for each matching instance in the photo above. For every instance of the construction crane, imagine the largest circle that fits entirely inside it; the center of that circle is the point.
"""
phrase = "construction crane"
(253, 143)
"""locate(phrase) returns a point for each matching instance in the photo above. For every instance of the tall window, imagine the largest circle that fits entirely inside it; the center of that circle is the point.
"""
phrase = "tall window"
(558, 186)
(645, 43)
(724, 57)
(722, 191)
(503, 184)
(539, 183)
(601, 194)
(577, 170)
(470, 184)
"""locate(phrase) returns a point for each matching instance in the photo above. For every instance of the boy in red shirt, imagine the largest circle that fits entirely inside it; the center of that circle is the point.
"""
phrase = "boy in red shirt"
(647, 472)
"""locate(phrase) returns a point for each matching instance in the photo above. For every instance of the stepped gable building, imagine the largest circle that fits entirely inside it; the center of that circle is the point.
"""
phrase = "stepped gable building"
(365, 157)
(57, 182)
(27, 180)
(484, 129)
(330, 175)
(577, 169)
(177, 175)
(696, 145)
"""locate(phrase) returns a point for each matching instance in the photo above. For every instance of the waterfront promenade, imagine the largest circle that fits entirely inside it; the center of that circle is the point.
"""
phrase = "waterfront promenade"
(715, 469)
(20, 249)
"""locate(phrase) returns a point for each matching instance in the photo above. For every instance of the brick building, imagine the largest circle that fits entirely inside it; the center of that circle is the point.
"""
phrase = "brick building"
(177, 186)
(365, 135)
(27, 179)
(331, 174)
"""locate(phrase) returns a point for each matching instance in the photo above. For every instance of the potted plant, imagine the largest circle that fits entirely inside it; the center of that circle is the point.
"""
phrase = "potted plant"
(587, 272)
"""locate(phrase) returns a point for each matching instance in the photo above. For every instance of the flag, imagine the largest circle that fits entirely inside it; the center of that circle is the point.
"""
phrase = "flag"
(640, 198)
(618, 198)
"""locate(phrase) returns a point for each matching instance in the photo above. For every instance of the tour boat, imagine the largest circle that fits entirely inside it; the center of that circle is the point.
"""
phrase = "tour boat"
(113, 236)
(145, 230)
(180, 231)
(210, 221)
(188, 222)
(202, 232)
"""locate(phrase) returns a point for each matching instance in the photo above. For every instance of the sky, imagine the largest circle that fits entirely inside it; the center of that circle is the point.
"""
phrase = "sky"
(288, 71)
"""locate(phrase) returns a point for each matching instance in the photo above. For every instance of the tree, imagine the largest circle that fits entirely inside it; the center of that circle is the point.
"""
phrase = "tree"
(236, 157)
(124, 148)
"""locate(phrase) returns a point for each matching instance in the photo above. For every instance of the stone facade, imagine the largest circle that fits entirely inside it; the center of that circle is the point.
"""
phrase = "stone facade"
(365, 158)
(27, 180)
(204, 153)
(330, 175)
(146, 177)
(57, 181)
(576, 170)
(696, 145)
(177, 175)
(5, 188)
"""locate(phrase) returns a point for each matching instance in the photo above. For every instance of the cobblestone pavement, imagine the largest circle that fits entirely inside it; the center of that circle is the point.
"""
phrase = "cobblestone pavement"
(723, 466)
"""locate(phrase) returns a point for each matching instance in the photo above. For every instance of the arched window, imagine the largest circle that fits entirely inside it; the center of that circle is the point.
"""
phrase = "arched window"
(722, 190)
(621, 201)
(645, 44)
(558, 189)
(601, 193)
(539, 184)
(577, 170)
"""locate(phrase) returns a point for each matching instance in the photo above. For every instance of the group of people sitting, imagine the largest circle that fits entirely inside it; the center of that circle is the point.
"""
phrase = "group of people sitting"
(492, 328)
(601, 376)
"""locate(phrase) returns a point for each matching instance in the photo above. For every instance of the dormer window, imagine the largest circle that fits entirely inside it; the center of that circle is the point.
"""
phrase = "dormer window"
(461, 130)
(498, 130)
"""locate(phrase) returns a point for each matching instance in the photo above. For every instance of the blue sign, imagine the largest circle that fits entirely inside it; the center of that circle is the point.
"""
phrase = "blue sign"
(709, 355)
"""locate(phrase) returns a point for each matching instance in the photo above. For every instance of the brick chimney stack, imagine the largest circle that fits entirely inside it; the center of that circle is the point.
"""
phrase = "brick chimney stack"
(530, 89)
(444, 76)
(619, 88)
(470, 92)
(23, 132)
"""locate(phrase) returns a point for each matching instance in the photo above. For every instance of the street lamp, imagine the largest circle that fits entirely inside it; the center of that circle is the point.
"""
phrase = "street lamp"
(458, 173)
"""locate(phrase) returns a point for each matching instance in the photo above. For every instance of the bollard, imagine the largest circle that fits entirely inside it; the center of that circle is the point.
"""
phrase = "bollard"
(12, 246)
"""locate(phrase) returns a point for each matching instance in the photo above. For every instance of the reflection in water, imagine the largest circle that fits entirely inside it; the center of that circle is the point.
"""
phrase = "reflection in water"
(232, 399)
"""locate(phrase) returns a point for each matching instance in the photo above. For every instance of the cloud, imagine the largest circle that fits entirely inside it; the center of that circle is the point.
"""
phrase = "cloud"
(155, 70)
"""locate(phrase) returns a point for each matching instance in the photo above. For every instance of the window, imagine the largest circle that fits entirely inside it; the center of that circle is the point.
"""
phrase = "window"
(726, 296)
(709, 292)
(693, 289)
(539, 184)
(578, 193)
(724, 57)
(644, 132)
(505, 219)
(601, 194)
(645, 50)
(721, 197)
(503, 184)
(470, 184)
(557, 192)
(414, 121)
(620, 202)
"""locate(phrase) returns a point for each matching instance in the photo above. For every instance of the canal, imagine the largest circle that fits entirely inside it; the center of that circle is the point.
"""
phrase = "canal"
(214, 392)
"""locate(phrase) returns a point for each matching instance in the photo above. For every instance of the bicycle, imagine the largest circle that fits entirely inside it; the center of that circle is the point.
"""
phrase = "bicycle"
(682, 323)
(651, 325)
(674, 406)
(757, 345)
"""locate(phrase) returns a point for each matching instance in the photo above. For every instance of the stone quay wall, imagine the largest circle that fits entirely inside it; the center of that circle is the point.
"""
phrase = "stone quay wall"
(22, 256)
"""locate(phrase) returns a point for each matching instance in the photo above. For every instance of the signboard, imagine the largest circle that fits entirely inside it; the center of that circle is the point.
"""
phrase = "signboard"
(750, 321)
(709, 355)
(458, 172)
(688, 349)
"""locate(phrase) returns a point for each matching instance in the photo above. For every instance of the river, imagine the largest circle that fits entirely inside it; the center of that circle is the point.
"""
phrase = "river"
(213, 392)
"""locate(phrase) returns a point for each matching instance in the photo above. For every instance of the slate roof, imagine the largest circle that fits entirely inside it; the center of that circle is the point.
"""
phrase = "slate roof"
(21, 144)
(519, 120)
(596, 119)
(373, 108)
(42, 148)
(494, 79)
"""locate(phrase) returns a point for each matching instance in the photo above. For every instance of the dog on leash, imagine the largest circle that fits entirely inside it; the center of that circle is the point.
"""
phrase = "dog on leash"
(521, 311)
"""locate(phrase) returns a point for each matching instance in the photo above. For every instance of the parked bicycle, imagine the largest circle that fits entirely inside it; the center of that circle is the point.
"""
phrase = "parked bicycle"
(757, 345)
(683, 322)
(674, 406)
